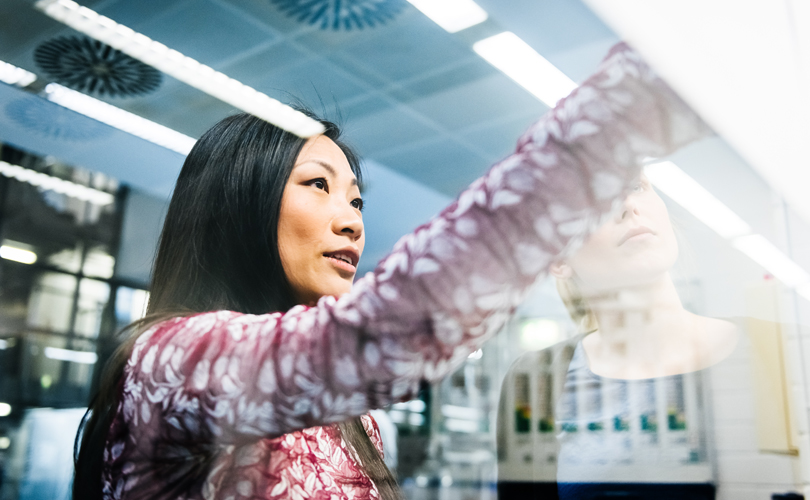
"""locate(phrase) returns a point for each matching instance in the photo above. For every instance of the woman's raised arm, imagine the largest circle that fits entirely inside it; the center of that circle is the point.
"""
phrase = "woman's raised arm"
(227, 377)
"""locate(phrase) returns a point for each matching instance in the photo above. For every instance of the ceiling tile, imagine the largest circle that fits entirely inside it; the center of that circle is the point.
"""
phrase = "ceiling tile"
(465, 72)
(478, 102)
(184, 109)
(329, 41)
(500, 138)
(392, 128)
(407, 49)
(21, 29)
(137, 14)
(352, 110)
(259, 66)
(443, 165)
(263, 11)
(210, 34)
(316, 83)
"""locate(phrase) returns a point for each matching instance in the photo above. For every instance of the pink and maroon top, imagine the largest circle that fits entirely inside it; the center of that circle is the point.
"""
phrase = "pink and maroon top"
(224, 405)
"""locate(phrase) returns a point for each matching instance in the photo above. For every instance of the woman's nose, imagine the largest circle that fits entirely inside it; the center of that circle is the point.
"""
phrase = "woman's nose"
(349, 223)
(627, 208)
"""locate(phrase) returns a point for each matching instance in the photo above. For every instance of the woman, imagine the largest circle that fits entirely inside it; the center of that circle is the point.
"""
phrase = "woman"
(255, 335)
(640, 328)
(599, 389)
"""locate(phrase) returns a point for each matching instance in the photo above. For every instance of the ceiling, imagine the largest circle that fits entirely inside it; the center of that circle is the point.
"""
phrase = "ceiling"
(422, 108)
(412, 97)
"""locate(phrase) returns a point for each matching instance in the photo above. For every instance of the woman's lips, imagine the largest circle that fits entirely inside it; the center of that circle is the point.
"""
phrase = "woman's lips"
(341, 264)
(632, 233)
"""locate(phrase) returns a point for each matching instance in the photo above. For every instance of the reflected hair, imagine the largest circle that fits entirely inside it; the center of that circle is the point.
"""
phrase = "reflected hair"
(577, 305)
(218, 251)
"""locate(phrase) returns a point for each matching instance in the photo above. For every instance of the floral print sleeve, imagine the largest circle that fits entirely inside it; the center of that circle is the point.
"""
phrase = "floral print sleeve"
(230, 378)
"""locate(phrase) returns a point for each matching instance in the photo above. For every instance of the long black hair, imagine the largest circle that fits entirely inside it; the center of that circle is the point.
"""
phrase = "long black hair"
(219, 251)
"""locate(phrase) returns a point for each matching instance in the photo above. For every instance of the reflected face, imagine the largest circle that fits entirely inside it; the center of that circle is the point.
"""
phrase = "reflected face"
(634, 248)
(320, 227)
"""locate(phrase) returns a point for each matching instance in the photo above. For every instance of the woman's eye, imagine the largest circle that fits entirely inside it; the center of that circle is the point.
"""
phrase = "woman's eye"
(358, 203)
(320, 184)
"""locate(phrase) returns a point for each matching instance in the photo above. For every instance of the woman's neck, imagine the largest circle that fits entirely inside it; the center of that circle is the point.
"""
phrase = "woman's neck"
(645, 332)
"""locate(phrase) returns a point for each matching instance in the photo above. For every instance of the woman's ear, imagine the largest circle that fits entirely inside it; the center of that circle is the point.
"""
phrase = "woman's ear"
(561, 270)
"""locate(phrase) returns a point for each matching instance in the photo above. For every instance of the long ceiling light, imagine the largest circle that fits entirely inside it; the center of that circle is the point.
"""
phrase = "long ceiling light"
(84, 357)
(688, 193)
(16, 254)
(49, 182)
(510, 54)
(179, 66)
(13, 75)
(120, 119)
(764, 253)
(685, 191)
(452, 15)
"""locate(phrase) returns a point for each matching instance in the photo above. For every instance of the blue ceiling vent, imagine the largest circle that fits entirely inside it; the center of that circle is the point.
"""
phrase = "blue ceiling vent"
(341, 14)
(90, 66)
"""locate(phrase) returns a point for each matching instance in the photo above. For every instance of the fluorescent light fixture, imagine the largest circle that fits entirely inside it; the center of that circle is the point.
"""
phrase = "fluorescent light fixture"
(179, 66)
(398, 417)
(5, 409)
(460, 412)
(764, 253)
(416, 419)
(51, 183)
(13, 75)
(452, 15)
(416, 405)
(539, 333)
(685, 191)
(3, 344)
(457, 425)
(84, 357)
(510, 54)
(120, 119)
(16, 254)
(5, 442)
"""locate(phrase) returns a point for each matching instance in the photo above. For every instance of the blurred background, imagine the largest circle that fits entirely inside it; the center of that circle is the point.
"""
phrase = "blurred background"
(431, 93)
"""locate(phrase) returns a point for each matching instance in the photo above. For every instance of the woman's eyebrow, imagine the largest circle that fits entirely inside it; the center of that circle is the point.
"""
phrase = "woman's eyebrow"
(330, 169)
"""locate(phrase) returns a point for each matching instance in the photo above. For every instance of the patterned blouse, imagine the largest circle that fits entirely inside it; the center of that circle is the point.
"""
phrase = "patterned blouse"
(224, 405)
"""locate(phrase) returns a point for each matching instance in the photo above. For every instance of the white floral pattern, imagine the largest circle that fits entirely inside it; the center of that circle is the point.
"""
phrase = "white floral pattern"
(224, 405)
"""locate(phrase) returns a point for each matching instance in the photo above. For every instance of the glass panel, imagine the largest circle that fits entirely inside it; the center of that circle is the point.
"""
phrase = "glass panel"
(67, 259)
(50, 306)
(615, 378)
(57, 372)
(130, 305)
(93, 297)
(98, 263)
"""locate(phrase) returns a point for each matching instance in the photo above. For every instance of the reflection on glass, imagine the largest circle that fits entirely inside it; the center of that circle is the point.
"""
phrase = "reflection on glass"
(545, 415)
(50, 306)
(130, 305)
(98, 263)
(523, 409)
(67, 259)
(93, 297)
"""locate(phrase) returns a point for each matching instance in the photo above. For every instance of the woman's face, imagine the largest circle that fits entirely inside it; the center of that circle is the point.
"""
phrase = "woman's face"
(636, 247)
(320, 227)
